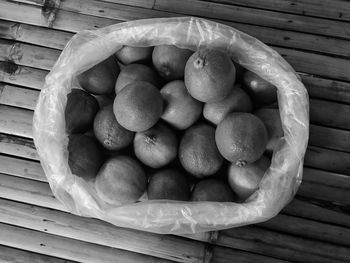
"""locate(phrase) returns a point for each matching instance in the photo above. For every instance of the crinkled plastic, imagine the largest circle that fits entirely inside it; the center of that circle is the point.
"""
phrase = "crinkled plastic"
(88, 48)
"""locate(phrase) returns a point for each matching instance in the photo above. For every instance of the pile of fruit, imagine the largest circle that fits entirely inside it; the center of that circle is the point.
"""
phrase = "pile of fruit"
(172, 123)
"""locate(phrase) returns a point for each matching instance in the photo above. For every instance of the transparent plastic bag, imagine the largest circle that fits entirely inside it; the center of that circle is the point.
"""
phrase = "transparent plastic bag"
(88, 48)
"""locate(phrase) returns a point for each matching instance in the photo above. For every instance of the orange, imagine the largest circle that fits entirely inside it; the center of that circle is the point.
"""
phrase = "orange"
(209, 75)
(241, 138)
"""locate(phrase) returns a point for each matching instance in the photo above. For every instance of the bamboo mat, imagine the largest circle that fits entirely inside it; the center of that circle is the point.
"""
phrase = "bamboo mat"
(313, 36)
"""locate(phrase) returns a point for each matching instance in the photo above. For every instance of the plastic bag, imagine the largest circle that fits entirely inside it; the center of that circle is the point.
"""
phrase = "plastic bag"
(88, 48)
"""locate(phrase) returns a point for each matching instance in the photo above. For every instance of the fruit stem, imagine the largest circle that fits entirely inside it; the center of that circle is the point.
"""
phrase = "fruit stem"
(165, 71)
(241, 163)
(198, 63)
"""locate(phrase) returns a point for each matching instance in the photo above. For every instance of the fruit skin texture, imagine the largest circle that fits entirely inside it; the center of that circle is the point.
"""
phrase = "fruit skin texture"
(261, 91)
(156, 147)
(101, 78)
(181, 110)
(120, 180)
(129, 54)
(85, 156)
(237, 101)
(241, 138)
(80, 111)
(109, 132)
(138, 106)
(245, 180)
(136, 72)
(212, 190)
(272, 120)
(168, 184)
(170, 61)
(209, 75)
(198, 153)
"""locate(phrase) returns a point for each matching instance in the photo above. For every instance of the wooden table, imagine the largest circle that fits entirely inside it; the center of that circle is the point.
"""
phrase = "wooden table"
(312, 35)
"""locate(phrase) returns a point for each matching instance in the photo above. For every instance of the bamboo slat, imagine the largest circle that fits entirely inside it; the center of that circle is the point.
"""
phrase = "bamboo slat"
(101, 233)
(140, 3)
(323, 177)
(18, 146)
(41, 36)
(11, 255)
(22, 75)
(277, 37)
(259, 17)
(15, 121)
(69, 248)
(225, 255)
(330, 160)
(110, 10)
(318, 211)
(18, 97)
(330, 138)
(57, 39)
(335, 9)
(324, 192)
(310, 229)
(64, 20)
(326, 186)
(330, 113)
(22, 168)
(250, 238)
(28, 191)
(239, 14)
(291, 39)
(327, 88)
(287, 247)
(28, 55)
(328, 67)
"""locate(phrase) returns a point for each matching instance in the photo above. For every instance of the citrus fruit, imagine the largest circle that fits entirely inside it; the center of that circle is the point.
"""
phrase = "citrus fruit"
(109, 132)
(85, 156)
(198, 153)
(236, 101)
(241, 138)
(168, 184)
(100, 79)
(138, 106)
(136, 72)
(180, 109)
(80, 111)
(261, 91)
(129, 54)
(120, 180)
(156, 146)
(170, 61)
(212, 190)
(209, 75)
(245, 180)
